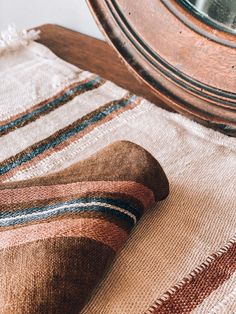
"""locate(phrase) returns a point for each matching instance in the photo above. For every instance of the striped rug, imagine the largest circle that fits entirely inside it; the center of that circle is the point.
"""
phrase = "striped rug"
(59, 234)
(181, 258)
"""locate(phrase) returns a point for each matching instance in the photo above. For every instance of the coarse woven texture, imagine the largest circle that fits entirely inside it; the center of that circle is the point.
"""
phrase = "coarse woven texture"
(59, 233)
(181, 257)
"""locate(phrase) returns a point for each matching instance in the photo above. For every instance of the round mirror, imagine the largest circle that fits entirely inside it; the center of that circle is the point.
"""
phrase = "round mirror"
(218, 13)
(189, 65)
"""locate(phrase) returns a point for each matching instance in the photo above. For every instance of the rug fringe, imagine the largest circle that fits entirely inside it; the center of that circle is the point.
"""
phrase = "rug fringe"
(11, 39)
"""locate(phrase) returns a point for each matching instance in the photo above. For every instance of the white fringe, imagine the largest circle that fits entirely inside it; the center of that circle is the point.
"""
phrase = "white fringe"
(11, 39)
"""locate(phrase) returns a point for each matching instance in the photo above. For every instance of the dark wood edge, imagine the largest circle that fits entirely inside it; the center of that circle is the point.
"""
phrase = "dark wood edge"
(96, 56)
(211, 106)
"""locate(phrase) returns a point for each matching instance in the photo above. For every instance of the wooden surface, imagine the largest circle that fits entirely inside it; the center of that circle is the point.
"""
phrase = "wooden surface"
(93, 55)
(99, 57)
(189, 65)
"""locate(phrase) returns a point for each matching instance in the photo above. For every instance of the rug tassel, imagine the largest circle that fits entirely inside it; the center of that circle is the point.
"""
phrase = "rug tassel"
(11, 39)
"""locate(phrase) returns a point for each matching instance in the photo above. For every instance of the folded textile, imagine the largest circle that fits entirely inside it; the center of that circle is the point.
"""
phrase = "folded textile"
(181, 257)
(59, 233)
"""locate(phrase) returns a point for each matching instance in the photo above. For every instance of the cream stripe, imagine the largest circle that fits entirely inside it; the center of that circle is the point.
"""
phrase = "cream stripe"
(56, 76)
(88, 144)
(21, 138)
(78, 205)
(84, 76)
(96, 229)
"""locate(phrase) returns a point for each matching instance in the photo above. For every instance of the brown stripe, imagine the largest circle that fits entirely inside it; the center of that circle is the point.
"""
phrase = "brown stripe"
(86, 214)
(69, 98)
(52, 275)
(91, 214)
(2, 122)
(54, 200)
(65, 143)
(42, 103)
(33, 194)
(97, 229)
(137, 165)
(195, 288)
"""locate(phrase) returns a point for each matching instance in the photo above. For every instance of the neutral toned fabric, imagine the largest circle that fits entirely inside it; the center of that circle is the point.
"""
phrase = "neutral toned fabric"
(59, 233)
(186, 243)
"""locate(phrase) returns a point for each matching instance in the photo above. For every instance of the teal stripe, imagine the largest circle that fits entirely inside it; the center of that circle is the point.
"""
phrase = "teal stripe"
(49, 106)
(67, 134)
(28, 215)
(125, 204)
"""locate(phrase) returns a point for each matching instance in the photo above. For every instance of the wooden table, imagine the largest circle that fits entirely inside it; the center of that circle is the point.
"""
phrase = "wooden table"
(93, 55)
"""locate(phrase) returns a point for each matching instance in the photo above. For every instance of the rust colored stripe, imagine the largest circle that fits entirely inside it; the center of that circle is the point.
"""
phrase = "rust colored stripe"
(38, 105)
(104, 116)
(195, 288)
(95, 229)
(45, 107)
(36, 193)
(11, 207)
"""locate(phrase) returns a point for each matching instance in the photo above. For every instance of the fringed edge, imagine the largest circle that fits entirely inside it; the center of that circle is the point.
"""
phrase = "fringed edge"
(11, 39)
(199, 269)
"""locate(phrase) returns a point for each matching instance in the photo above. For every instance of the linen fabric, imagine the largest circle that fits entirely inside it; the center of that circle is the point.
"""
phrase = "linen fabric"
(60, 233)
(181, 258)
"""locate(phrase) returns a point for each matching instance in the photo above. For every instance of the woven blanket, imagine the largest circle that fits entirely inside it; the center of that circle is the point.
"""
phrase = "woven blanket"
(181, 258)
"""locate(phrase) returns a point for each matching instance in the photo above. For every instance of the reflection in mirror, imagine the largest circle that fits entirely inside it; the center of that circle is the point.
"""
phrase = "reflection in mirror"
(220, 13)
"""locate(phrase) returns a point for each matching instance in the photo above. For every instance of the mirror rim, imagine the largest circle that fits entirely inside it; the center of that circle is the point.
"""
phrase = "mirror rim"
(206, 104)
(203, 16)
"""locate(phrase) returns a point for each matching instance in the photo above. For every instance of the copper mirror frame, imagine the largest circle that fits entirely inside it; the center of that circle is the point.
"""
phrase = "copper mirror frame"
(190, 65)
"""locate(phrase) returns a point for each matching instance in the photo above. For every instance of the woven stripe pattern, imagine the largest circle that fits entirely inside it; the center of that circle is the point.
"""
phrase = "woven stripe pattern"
(181, 257)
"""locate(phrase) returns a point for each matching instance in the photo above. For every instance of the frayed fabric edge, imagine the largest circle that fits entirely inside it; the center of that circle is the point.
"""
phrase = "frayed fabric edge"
(11, 39)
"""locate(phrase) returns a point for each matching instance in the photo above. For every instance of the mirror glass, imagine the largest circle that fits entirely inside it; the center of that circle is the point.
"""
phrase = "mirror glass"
(219, 13)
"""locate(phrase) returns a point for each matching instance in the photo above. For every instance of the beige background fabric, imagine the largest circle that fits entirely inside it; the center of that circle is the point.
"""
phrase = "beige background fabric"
(197, 219)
